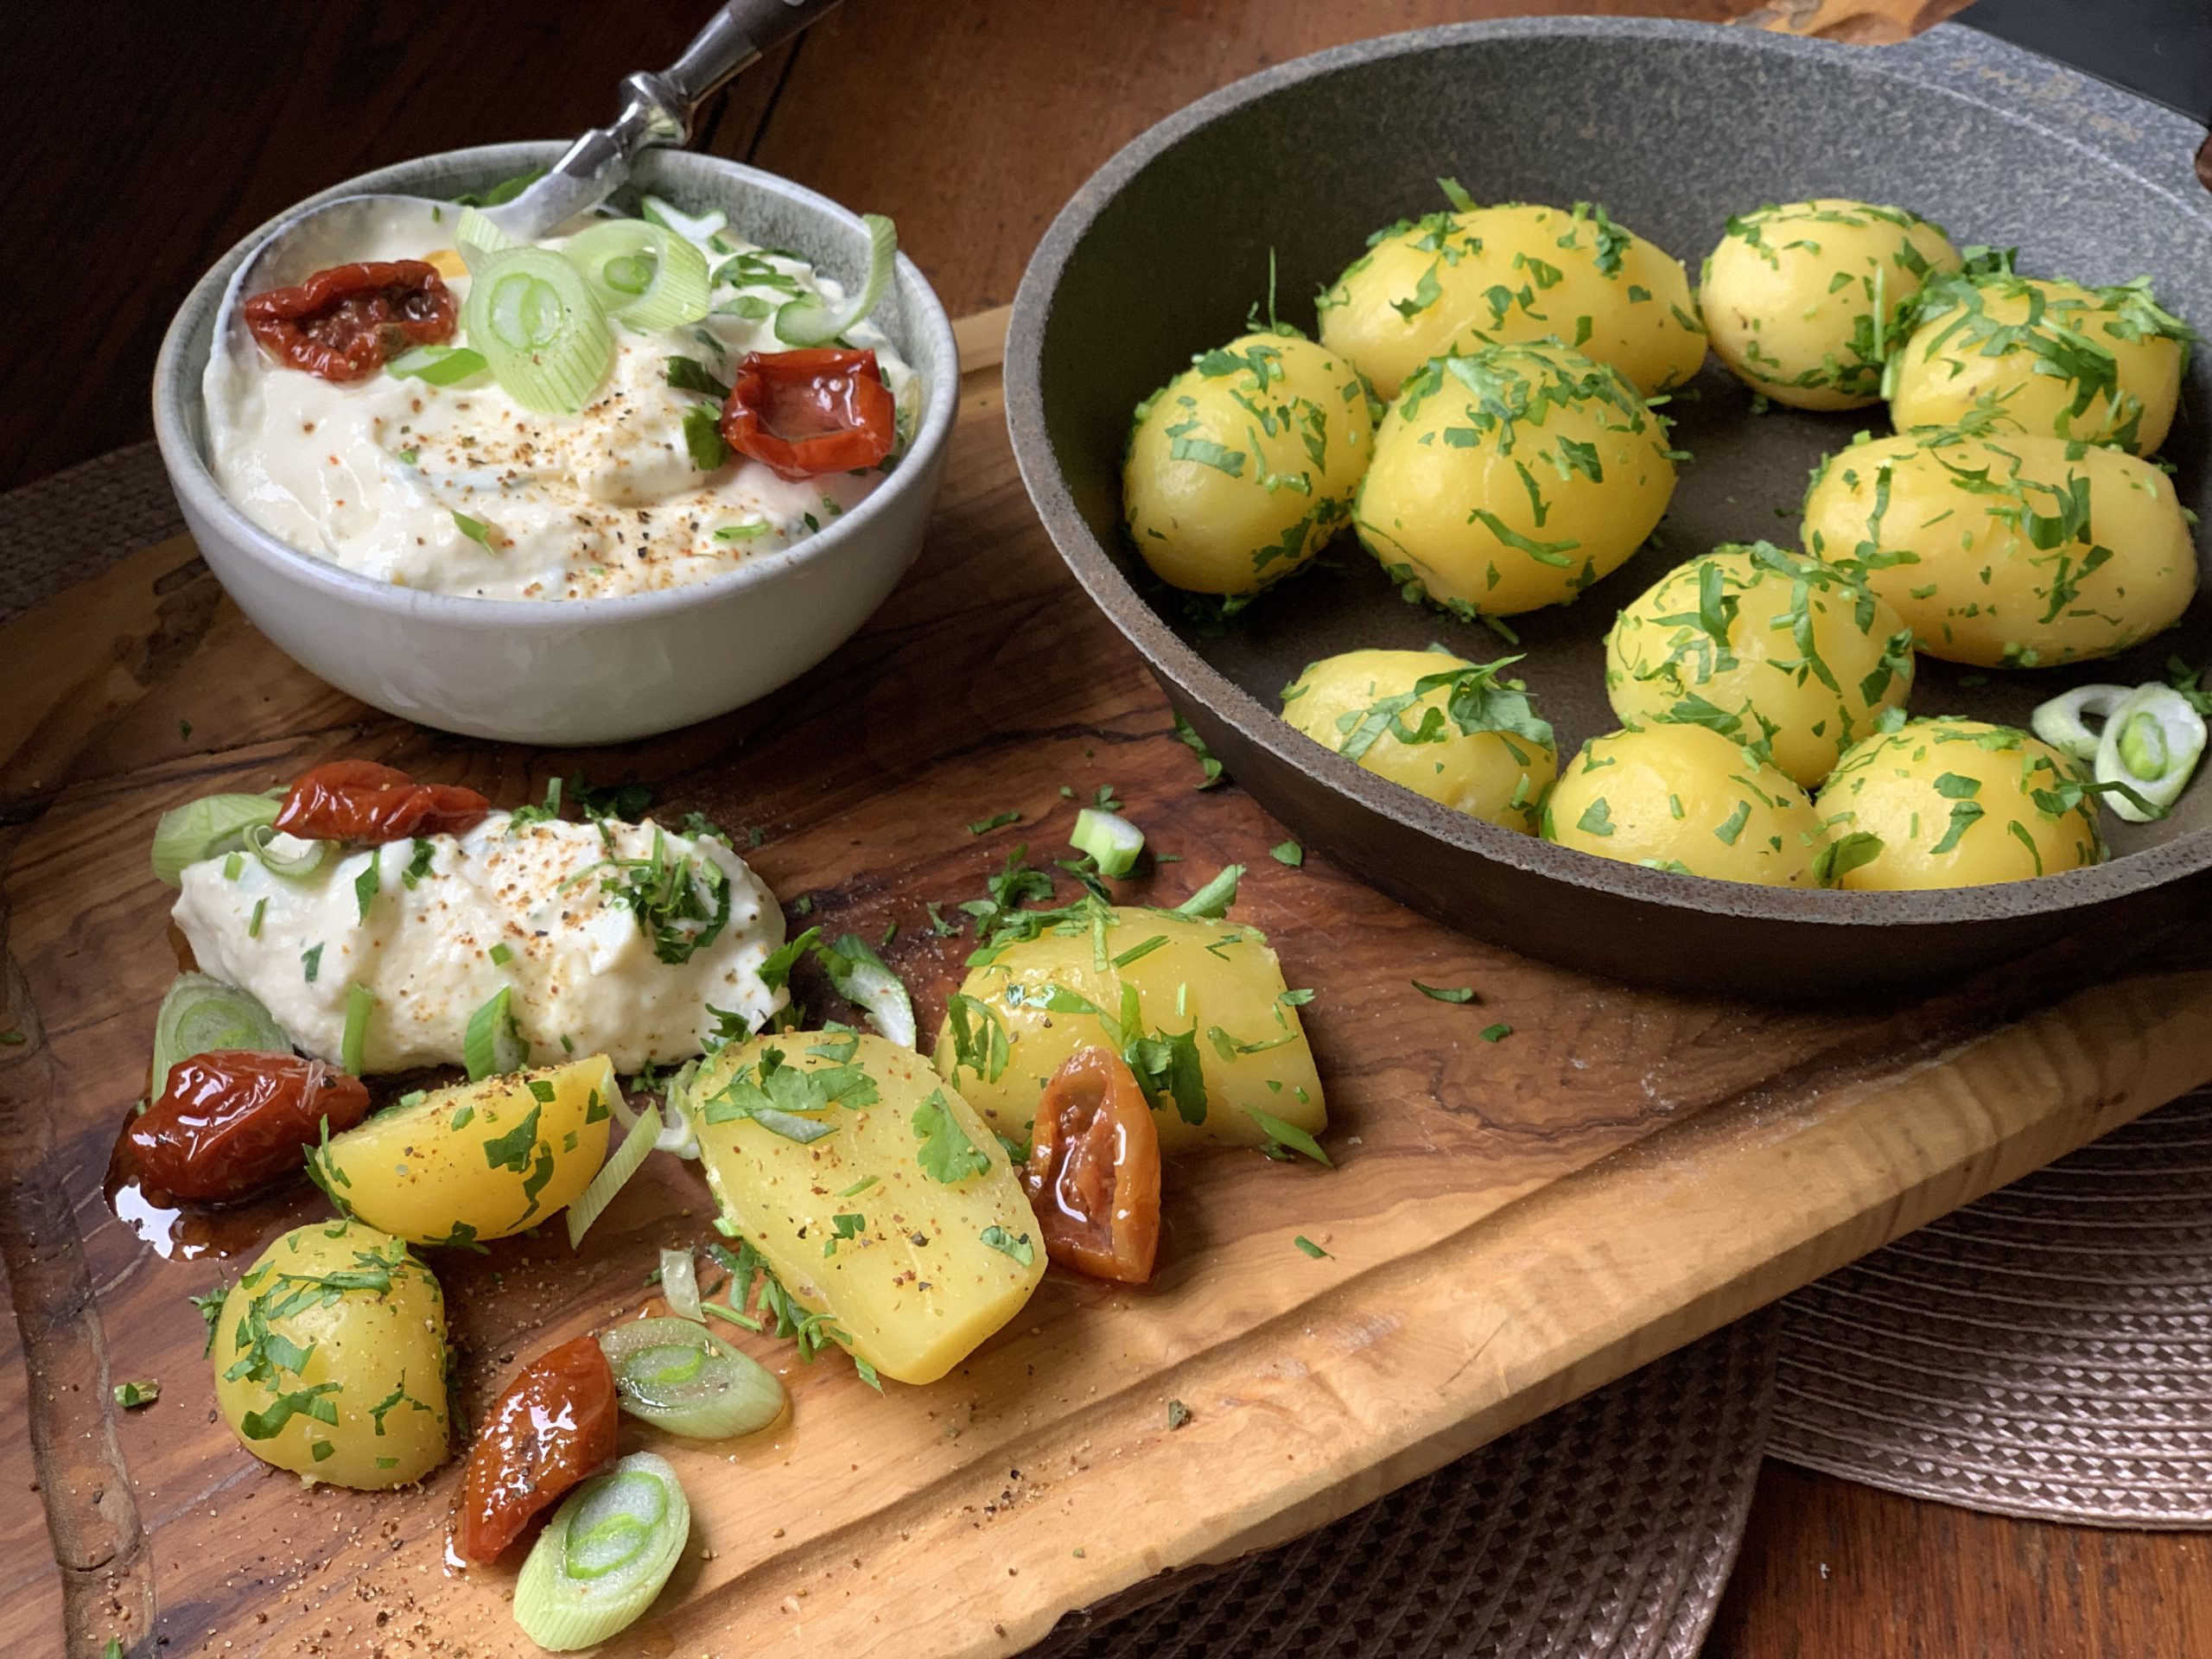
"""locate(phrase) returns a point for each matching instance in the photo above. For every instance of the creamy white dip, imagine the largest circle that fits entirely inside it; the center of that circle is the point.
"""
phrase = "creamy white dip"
(585, 974)
(370, 475)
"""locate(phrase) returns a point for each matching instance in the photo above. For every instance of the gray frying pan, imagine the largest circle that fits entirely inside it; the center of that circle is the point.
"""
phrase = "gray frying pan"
(1673, 126)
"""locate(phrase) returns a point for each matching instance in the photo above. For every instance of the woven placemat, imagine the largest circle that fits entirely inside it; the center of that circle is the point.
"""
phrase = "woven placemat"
(72, 524)
(1605, 1531)
(2045, 1353)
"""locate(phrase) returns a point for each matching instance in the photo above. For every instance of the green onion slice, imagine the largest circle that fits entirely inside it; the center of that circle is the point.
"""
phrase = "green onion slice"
(862, 978)
(200, 1015)
(641, 273)
(492, 1044)
(614, 1174)
(292, 867)
(679, 1284)
(604, 1557)
(693, 227)
(360, 1004)
(534, 320)
(207, 828)
(2149, 747)
(682, 1378)
(437, 365)
(808, 321)
(2063, 722)
(477, 237)
(1109, 838)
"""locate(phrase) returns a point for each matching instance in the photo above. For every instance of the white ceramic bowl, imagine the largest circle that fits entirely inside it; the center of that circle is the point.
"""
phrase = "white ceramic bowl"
(576, 671)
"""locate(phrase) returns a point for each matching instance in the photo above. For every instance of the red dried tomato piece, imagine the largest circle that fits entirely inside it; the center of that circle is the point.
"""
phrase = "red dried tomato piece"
(553, 1425)
(1093, 1175)
(347, 322)
(362, 801)
(232, 1121)
(806, 413)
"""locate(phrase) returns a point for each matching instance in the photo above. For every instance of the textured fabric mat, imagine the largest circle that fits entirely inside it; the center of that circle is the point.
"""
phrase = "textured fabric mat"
(75, 523)
(2044, 1352)
(1605, 1531)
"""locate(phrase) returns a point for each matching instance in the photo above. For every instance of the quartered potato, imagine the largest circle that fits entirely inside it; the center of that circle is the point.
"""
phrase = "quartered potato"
(1805, 302)
(1510, 275)
(1953, 802)
(1198, 1008)
(478, 1161)
(2006, 551)
(1512, 478)
(877, 1194)
(1469, 740)
(330, 1358)
(1764, 647)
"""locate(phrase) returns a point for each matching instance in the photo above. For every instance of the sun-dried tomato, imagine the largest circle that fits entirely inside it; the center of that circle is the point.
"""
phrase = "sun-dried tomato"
(348, 321)
(803, 414)
(362, 801)
(553, 1425)
(1093, 1175)
(230, 1121)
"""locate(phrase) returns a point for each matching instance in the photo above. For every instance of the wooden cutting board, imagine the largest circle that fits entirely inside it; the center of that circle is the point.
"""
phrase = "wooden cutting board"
(1509, 1225)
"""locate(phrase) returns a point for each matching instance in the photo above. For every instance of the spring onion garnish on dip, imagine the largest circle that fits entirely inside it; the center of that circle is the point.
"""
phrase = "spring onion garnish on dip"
(633, 404)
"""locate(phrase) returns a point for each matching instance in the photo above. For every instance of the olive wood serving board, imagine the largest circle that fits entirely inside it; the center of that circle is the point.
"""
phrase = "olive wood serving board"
(1509, 1223)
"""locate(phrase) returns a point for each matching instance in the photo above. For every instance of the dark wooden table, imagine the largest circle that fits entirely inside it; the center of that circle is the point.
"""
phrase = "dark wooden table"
(146, 140)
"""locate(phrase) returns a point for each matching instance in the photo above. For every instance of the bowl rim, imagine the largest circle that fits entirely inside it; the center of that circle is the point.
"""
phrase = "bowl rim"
(1926, 60)
(176, 384)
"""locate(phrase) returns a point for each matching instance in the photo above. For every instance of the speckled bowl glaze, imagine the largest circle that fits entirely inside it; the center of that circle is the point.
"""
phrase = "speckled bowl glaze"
(579, 671)
(1673, 127)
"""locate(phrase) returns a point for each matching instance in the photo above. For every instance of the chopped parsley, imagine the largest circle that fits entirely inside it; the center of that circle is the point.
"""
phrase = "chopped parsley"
(1445, 992)
(946, 1156)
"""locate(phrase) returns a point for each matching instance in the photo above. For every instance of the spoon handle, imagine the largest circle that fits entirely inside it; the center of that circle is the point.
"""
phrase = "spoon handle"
(736, 37)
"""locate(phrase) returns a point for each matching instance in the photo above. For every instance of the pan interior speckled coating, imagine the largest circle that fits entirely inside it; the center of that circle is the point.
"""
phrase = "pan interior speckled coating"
(1673, 127)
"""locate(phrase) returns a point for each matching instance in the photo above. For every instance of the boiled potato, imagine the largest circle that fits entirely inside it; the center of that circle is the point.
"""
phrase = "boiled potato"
(1953, 802)
(1687, 799)
(876, 1193)
(475, 1161)
(1511, 275)
(2007, 552)
(1767, 647)
(330, 1358)
(1242, 467)
(1200, 1005)
(1805, 302)
(1472, 741)
(2050, 358)
(1512, 478)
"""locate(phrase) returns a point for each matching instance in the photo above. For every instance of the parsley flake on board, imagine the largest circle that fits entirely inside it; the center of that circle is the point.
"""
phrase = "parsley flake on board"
(997, 821)
(1445, 992)
(1309, 1247)
(1288, 852)
(131, 1395)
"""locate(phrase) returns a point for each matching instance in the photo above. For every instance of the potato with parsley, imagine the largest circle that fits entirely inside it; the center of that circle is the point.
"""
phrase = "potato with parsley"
(2049, 357)
(1197, 1007)
(1242, 467)
(1951, 802)
(475, 1161)
(1512, 478)
(1764, 646)
(878, 1195)
(1804, 302)
(1685, 798)
(2007, 550)
(1513, 275)
(1443, 726)
(330, 1358)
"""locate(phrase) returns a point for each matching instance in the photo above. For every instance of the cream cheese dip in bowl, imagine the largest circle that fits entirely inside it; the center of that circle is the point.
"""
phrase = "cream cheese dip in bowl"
(448, 556)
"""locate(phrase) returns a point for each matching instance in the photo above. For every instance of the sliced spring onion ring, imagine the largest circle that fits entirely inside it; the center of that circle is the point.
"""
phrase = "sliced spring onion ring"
(679, 1284)
(640, 272)
(682, 1378)
(2151, 746)
(808, 321)
(679, 1137)
(492, 1044)
(292, 866)
(604, 1557)
(437, 365)
(2060, 721)
(360, 1004)
(477, 233)
(200, 1015)
(862, 978)
(539, 327)
(614, 1174)
(1109, 838)
(207, 828)
(658, 210)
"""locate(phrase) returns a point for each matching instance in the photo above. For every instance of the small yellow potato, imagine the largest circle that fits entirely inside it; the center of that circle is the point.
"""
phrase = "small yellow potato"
(475, 1161)
(1951, 802)
(1512, 478)
(2054, 358)
(1685, 798)
(877, 1194)
(1511, 275)
(1769, 648)
(1443, 726)
(1241, 468)
(1805, 302)
(330, 1358)
(2007, 551)
(1198, 1008)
